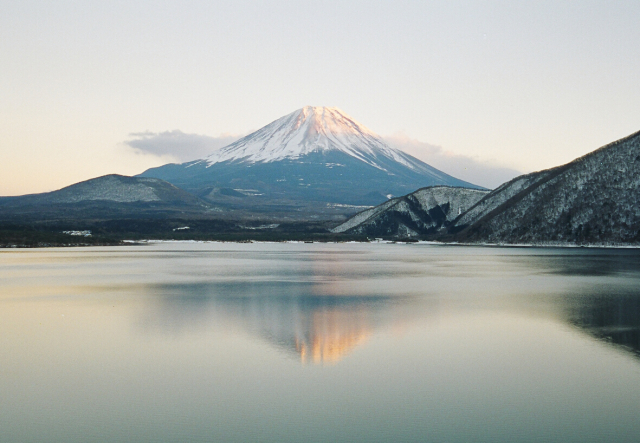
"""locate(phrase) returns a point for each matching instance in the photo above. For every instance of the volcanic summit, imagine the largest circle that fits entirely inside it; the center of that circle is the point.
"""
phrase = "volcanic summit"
(314, 154)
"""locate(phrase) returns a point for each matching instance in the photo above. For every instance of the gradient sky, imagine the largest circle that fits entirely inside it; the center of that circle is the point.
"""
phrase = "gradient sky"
(506, 84)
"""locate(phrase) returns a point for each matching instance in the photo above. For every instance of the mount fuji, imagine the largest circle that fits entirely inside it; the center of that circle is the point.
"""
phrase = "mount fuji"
(316, 155)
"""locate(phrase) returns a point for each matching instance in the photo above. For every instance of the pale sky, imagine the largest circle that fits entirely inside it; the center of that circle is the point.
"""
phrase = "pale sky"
(499, 85)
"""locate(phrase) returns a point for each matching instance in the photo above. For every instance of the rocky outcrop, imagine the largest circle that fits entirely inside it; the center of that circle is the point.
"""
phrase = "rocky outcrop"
(425, 211)
(593, 199)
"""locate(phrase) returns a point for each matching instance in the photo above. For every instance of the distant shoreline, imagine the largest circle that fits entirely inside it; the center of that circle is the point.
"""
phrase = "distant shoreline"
(144, 242)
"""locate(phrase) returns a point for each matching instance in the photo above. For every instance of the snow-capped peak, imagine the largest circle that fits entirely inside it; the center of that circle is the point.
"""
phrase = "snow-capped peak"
(307, 130)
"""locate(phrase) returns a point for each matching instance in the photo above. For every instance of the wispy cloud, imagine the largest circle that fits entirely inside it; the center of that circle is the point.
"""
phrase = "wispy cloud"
(177, 144)
(486, 173)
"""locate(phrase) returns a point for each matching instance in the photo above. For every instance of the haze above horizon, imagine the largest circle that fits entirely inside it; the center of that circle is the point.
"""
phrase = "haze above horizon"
(490, 88)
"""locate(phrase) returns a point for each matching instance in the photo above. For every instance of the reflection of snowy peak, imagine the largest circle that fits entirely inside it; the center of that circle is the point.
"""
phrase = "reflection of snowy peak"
(307, 130)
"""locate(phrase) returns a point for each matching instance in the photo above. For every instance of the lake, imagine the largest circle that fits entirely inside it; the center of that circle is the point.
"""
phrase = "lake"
(225, 342)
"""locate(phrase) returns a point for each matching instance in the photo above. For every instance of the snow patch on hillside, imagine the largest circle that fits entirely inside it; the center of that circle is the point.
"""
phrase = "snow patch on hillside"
(498, 197)
(367, 214)
(591, 200)
(414, 207)
(109, 188)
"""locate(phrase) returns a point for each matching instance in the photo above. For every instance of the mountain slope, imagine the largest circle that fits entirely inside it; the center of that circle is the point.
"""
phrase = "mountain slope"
(313, 154)
(104, 195)
(314, 129)
(425, 211)
(595, 198)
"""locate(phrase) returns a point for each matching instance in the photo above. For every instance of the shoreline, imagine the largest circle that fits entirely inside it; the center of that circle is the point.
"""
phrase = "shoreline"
(145, 242)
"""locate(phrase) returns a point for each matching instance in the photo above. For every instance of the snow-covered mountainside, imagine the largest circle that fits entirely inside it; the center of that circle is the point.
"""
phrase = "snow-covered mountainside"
(312, 129)
(313, 154)
(499, 196)
(593, 199)
(425, 211)
(104, 194)
(114, 188)
(111, 188)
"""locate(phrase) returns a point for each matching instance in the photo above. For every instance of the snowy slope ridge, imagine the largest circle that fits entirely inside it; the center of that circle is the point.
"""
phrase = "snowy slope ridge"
(109, 196)
(425, 211)
(307, 130)
(314, 154)
(593, 199)
(113, 188)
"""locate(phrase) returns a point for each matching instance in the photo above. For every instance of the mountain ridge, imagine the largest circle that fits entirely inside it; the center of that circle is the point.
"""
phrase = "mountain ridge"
(314, 154)
(104, 196)
(427, 211)
(594, 199)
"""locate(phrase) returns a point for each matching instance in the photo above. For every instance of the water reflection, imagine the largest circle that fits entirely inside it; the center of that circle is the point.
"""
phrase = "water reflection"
(606, 304)
(321, 302)
(593, 263)
(289, 315)
(613, 318)
(326, 328)
(203, 343)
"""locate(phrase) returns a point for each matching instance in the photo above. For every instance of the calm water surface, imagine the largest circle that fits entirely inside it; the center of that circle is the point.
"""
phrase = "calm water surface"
(319, 342)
